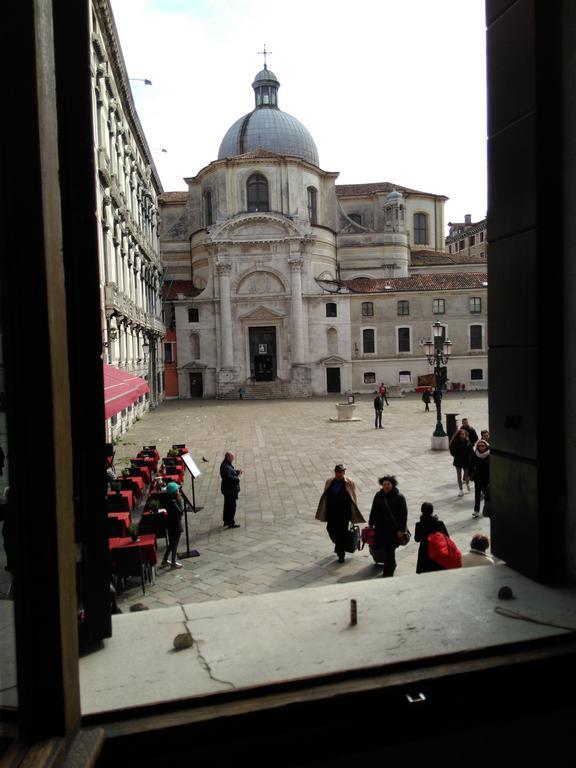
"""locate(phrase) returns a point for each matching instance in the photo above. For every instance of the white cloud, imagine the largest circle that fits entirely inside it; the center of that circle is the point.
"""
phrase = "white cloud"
(390, 91)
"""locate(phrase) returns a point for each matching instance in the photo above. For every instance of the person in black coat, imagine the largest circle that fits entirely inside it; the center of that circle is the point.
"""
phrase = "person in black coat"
(462, 452)
(472, 434)
(481, 474)
(172, 502)
(428, 523)
(230, 488)
(389, 516)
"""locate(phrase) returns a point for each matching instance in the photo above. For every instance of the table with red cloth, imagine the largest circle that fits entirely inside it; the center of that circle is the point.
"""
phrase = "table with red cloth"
(146, 544)
(124, 517)
(128, 495)
(146, 474)
(138, 482)
(150, 461)
(175, 477)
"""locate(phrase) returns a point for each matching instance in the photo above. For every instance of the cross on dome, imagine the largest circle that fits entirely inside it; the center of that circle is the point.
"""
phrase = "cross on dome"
(265, 53)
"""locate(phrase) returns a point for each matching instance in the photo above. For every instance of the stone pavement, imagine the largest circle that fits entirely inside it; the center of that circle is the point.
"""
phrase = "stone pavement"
(287, 448)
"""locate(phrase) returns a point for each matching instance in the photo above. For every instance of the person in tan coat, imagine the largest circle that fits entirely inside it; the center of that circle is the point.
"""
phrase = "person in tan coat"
(338, 507)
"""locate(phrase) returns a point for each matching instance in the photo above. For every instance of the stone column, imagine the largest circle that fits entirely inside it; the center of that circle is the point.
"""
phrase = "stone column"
(297, 315)
(227, 357)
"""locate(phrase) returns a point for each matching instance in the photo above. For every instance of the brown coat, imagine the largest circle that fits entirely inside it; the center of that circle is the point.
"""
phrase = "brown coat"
(351, 490)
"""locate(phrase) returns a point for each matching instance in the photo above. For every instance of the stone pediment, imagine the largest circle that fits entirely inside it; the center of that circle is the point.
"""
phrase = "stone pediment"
(263, 313)
(193, 366)
(256, 227)
(332, 360)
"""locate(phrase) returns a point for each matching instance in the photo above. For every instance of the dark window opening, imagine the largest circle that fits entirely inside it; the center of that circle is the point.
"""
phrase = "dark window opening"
(257, 190)
(368, 345)
(331, 310)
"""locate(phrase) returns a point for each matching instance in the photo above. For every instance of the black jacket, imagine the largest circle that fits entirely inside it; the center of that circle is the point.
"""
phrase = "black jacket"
(388, 523)
(424, 527)
(462, 452)
(481, 469)
(230, 485)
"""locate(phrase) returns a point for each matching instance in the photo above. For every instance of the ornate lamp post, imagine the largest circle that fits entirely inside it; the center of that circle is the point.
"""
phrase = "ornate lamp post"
(438, 357)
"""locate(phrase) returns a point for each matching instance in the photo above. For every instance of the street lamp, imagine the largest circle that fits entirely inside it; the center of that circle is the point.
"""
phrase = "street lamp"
(438, 357)
(141, 80)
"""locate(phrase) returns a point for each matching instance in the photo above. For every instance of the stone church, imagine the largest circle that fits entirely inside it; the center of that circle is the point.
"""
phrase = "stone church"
(283, 283)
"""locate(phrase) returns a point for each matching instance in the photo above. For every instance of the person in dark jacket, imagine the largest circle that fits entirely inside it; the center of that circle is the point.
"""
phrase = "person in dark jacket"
(428, 523)
(378, 408)
(426, 397)
(462, 453)
(389, 516)
(481, 474)
(472, 434)
(230, 487)
(172, 502)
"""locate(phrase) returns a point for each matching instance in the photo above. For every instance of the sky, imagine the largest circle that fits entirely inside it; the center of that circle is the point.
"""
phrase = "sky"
(391, 90)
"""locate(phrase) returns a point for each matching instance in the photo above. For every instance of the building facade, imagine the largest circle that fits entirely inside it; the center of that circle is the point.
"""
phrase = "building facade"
(127, 191)
(283, 283)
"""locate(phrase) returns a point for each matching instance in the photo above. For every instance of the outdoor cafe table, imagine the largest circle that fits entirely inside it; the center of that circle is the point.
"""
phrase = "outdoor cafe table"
(175, 477)
(138, 482)
(146, 544)
(124, 517)
(129, 495)
(147, 474)
(151, 462)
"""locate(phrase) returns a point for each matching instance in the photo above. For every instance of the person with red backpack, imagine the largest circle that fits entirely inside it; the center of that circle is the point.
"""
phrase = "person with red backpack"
(428, 524)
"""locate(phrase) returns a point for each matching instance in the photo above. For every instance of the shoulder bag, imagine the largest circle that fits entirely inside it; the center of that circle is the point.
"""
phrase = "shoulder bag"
(403, 536)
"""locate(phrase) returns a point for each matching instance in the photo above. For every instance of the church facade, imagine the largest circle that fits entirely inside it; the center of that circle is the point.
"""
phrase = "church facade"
(282, 283)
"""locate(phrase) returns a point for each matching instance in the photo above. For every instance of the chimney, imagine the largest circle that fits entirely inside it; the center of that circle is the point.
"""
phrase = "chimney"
(468, 219)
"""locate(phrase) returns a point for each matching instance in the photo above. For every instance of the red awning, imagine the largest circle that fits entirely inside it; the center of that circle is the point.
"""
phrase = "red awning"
(121, 389)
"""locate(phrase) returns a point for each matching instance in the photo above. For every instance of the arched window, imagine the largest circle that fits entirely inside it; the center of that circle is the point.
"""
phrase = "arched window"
(312, 205)
(420, 229)
(257, 193)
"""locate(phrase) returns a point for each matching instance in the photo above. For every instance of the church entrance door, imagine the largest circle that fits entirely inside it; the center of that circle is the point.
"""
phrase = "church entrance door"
(263, 353)
(333, 380)
(196, 385)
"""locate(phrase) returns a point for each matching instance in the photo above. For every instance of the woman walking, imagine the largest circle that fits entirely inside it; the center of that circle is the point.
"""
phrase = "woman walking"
(481, 475)
(338, 507)
(461, 450)
(389, 516)
(428, 523)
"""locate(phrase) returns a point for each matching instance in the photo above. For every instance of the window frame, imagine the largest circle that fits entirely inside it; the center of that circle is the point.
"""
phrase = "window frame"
(438, 311)
(400, 304)
(418, 228)
(410, 345)
(367, 304)
(312, 200)
(470, 305)
(191, 311)
(334, 305)
(362, 332)
(256, 201)
(470, 347)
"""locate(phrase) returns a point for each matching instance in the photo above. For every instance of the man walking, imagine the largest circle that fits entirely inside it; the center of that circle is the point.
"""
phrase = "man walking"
(383, 392)
(230, 487)
(378, 407)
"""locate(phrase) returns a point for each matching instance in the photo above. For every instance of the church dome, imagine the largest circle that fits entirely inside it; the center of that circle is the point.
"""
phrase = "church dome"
(267, 127)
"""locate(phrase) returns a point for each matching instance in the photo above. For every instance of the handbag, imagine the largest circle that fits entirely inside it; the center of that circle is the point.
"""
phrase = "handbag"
(442, 550)
(368, 536)
(352, 542)
(404, 536)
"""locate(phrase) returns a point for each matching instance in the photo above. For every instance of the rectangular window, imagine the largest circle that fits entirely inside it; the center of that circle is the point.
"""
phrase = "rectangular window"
(472, 240)
(193, 315)
(439, 306)
(369, 377)
(367, 309)
(475, 304)
(168, 352)
(420, 229)
(331, 310)
(461, 245)
(404, 340)
(368, 345)
(476, 337)
(403, 307)
(405, 377)
(476, 374)
(481, 237)
(312, 205)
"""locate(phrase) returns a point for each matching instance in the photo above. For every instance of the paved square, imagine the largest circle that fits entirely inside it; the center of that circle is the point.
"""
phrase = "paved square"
(287, 448)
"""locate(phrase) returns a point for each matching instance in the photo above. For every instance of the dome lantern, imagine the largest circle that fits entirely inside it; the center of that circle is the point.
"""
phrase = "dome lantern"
(266, 88)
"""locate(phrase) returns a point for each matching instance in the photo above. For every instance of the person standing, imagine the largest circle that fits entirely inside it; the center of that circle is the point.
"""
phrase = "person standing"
(378, 407)
(477, 554)
(428, 523)
(230, 488)
(426, 398)
(481, 474)
(174, 509)
(389, 517)
(338, 507)
(382, 392)
(461, 450)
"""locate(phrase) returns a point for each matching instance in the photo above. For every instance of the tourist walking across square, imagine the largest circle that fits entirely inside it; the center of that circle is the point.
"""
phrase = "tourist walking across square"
(461, 450)
(338, 507)
(378, 408)
(389, 516)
